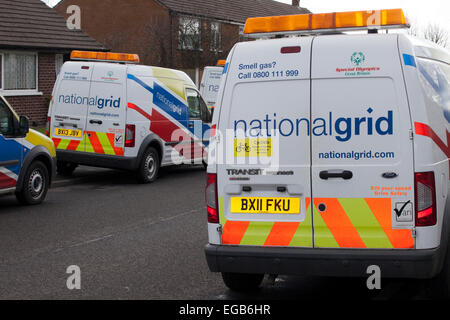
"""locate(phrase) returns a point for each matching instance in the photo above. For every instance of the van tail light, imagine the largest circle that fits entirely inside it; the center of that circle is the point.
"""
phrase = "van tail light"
(48, 126)
(425, 198)
(130, 135)
(211, 198)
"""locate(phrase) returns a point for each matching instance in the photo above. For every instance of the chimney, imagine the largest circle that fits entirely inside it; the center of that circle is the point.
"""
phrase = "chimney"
(296, 3)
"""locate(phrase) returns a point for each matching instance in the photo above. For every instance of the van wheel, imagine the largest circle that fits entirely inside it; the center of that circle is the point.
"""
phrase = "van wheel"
(35, 184)
(242, 282)
(65, 169)
(149, 167)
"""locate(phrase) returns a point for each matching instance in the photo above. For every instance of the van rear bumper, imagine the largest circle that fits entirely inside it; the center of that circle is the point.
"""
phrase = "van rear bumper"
(98, 160)
(396, 263)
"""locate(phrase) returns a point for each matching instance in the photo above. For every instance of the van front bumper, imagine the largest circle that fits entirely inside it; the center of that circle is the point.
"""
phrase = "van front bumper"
(398, 263)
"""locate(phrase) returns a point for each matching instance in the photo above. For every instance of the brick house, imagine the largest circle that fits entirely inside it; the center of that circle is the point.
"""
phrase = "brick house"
(180, 34)
(34, 40)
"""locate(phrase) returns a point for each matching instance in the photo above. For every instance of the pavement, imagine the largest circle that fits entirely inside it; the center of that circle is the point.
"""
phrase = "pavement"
(134, 241)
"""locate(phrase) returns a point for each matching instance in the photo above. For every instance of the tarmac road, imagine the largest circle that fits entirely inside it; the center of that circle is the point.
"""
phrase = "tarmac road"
(134, 241)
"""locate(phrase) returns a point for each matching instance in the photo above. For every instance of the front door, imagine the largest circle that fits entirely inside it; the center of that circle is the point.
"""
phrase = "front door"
(11, 151)
(199, 117)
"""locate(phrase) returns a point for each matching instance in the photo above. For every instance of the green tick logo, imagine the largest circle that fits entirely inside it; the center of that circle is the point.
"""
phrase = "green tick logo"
(358, 58)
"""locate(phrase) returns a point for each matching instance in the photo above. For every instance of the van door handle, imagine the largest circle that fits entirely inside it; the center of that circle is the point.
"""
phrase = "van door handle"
(344, 174)
(96, 121)
(63, 124)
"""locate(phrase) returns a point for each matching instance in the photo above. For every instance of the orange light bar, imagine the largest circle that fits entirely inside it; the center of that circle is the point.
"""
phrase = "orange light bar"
(327, 21)
(105, 56)
(221, 63)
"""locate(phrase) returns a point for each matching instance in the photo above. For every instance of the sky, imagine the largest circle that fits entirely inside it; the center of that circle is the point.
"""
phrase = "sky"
(418, 11)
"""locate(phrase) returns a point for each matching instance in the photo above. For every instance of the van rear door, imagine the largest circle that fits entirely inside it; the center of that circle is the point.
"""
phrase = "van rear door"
(69, 106)
(264, 176)
(209, 87)
(106, 119)
(362, 152)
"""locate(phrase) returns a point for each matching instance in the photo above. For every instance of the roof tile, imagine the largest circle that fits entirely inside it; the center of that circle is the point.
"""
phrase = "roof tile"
(31, 23)
(232, 10)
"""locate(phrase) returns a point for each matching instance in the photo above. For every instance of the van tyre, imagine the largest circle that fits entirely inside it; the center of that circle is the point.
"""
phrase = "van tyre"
(65, 169)
(242, 282)
(36, 182)
(149, 167)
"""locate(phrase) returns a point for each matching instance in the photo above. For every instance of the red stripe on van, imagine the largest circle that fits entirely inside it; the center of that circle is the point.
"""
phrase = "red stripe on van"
(6, 181)
(281, 233)
(56, 141)
(170, 132)
(424, 130)
(234, 231)
(73, 145)
(95, 142)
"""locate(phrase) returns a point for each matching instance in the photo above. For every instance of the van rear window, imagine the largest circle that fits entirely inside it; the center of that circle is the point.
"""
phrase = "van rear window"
(435, 79)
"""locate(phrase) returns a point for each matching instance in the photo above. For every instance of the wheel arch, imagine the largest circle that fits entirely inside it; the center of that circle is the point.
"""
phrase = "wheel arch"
(154, 141)
(38, 153)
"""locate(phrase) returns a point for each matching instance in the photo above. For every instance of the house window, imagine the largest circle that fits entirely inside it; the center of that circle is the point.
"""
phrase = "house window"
(1, 73)
(216, 36)
(59, 61)
(19, 71)
(189, 35)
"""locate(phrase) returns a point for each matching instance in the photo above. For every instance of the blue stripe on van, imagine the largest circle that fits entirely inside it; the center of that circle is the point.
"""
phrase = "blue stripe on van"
(225, 69)
(409, 60)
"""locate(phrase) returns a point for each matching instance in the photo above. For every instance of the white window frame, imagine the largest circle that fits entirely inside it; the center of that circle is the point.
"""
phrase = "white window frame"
(18, 93)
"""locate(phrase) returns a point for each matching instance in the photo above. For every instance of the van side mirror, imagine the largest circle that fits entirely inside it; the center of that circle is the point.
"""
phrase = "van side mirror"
(24, 126)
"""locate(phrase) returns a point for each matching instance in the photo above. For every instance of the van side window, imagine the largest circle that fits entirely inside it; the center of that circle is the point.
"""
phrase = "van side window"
(435, 78)
(193, 103)
(6, 120)
(206, 115)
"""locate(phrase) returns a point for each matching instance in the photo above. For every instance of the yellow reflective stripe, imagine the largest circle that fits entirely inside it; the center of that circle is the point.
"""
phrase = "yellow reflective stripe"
(322, 235)
(106, 144)
(89, 147)
(303, 236)
(63, 144)
(364, 221)
(221, 211)
(81, 146)
(257, 233)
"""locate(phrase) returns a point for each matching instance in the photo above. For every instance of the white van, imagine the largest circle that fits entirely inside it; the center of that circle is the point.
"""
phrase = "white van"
(107, 111)
(209, 87)
(331, 153)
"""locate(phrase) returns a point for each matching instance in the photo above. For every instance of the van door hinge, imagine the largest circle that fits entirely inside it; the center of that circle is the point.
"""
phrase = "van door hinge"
(220, 229)
(413, 233)
(411, 135)
(217, 138)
